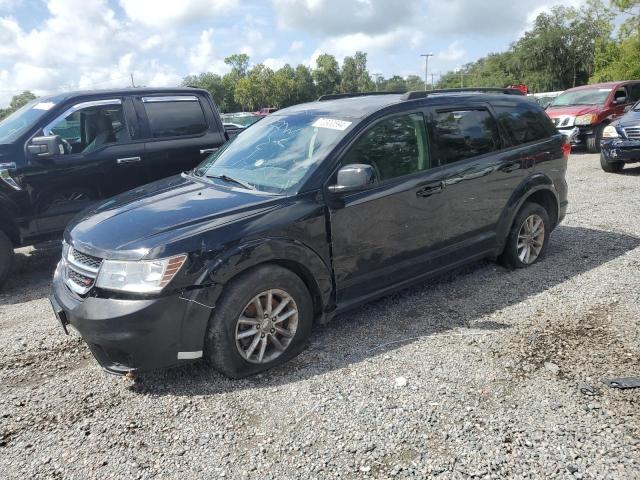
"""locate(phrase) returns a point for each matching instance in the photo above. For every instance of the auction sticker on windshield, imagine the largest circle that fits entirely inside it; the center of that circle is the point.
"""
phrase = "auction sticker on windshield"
(44, 106)
(331, 123)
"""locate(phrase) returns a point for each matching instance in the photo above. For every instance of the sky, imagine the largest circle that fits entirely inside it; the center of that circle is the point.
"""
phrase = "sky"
(57, 45)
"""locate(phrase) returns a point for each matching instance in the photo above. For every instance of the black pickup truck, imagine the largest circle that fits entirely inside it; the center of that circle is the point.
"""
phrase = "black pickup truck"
(59, 154)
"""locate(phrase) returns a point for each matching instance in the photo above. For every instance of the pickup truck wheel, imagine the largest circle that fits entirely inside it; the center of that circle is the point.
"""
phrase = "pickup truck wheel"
(6, 257)
(613, 167)
(263, 319)
(528, 238)
(593, 141)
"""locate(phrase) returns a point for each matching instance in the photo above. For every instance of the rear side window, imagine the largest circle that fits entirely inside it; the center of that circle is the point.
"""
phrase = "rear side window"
(524, 123)
(394, 147)
(174, 117)
(462, 134)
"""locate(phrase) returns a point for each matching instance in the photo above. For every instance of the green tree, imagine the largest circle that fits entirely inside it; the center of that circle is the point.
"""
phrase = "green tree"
(304, 87)
(284, 87)
(327, 74)
(211, 82)
(255, 90)
(354, 76)
(17, 102)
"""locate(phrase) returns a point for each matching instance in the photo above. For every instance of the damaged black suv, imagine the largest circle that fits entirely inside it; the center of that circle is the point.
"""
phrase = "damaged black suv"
(315, 209)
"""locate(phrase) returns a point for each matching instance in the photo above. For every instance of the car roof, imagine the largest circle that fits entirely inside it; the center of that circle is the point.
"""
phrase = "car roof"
(610, 85)
(352, 107)
(60, 97)
(363, 105)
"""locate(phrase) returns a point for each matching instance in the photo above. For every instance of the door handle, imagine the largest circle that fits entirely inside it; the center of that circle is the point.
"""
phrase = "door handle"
(208, 150)
(122, 161)
(511, 167)
(430, 189)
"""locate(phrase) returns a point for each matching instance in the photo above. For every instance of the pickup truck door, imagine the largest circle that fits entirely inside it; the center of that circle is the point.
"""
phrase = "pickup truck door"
(101, 158)
(181, 130)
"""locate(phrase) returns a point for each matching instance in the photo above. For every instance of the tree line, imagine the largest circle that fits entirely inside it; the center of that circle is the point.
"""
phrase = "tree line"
(565, 47)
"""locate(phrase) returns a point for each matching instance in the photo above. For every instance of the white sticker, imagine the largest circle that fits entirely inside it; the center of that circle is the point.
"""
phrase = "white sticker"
(44, 106)
(331, 123)
(604, 90)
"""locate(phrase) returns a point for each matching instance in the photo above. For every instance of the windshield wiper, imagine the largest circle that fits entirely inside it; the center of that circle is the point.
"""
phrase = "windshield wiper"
(228, 179)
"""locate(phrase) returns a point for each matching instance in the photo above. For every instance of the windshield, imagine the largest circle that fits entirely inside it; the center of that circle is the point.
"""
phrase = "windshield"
(276, 154)
(21, 120)
(591, 96)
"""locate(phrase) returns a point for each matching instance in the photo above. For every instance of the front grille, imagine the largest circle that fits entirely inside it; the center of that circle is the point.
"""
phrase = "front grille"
(632, 133)
(81, 270)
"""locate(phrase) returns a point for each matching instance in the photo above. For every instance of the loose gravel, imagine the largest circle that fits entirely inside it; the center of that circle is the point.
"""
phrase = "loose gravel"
(483, 373)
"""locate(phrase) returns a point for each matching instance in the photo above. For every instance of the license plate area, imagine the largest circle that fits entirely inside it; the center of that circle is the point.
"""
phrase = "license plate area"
(60, 314)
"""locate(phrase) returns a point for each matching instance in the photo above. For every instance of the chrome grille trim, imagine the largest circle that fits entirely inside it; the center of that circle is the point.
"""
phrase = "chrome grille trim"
(632, 133)
(81, 270)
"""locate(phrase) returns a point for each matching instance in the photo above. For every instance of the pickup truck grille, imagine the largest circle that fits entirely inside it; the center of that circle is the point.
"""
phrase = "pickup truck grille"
(81, 270)
(632, 133)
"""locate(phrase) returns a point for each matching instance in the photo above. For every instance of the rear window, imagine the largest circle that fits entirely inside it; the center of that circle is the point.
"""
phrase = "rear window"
(462, 134)
(174, 118)
(524, 123)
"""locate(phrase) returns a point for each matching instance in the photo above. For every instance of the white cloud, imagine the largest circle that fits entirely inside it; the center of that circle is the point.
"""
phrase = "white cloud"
(390, 42)
(296, 46)
(453, 53)
(340, 17)
(275, 63)
(162, 13)
(204, 58)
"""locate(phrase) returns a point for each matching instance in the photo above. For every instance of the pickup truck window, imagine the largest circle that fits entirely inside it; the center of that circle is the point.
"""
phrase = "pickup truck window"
(84, 130)
(174, 116)
(19, 121)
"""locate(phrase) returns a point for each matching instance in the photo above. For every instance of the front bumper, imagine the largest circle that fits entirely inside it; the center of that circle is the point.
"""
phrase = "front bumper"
(617, 150)
(577, 135)
(134, 335)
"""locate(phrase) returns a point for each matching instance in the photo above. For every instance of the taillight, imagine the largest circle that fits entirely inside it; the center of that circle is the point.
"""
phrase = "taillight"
(566, 149)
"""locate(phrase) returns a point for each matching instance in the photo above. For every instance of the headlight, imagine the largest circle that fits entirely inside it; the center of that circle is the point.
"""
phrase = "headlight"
(587, 119)
(144, 276)
(610, 132)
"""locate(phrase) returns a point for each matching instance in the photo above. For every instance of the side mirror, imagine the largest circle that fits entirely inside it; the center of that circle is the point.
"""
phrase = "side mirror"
(620, 100)
(353, 177)
(44, 147)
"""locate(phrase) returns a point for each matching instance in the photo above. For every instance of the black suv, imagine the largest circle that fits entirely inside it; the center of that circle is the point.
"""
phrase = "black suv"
(313, 210)
(61, 153)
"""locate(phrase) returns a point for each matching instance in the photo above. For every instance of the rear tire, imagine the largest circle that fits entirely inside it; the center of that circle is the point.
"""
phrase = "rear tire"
(6, 257)
(230, 338)
(610, 167)
(528, 238)
(593, 141)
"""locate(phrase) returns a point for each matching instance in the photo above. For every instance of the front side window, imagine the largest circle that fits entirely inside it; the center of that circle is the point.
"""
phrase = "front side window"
(277, 154)
(87, 129)
(524, 124)
(462, 134)
(393, 147)
(21, 120)
(175, 117)
(634, 92)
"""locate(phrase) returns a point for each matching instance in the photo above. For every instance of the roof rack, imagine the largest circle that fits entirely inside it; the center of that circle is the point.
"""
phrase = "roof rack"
(426, 93)
(337, 96)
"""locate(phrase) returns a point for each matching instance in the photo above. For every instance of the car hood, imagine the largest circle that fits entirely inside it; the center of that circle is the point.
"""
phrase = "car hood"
(573, 111)
(631, 118)
(131, 225)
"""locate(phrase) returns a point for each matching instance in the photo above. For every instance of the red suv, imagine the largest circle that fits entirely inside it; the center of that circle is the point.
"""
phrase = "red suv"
(583, 112)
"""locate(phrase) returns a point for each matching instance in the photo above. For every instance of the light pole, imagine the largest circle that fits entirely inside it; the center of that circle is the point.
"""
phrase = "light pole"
(426, 68)
(377, 76)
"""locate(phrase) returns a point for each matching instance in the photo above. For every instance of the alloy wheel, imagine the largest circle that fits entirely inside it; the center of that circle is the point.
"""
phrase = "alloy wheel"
(530, 239)
(266, 326)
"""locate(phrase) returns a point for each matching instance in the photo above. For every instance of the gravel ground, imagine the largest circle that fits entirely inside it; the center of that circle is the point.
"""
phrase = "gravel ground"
(482, 373)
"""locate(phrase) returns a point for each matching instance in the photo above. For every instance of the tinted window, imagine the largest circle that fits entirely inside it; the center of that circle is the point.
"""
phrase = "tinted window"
(463, 134)
(634, 92)
(523, 123)
(175, 118)
(393, 147)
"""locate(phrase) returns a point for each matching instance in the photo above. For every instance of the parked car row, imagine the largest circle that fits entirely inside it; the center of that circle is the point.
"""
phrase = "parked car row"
(313, 210)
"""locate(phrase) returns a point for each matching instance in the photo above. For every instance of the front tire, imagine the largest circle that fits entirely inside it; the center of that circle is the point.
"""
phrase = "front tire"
(6, 257)
(593, 141)
(613, 167)
(263, 319)
(527, 241)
